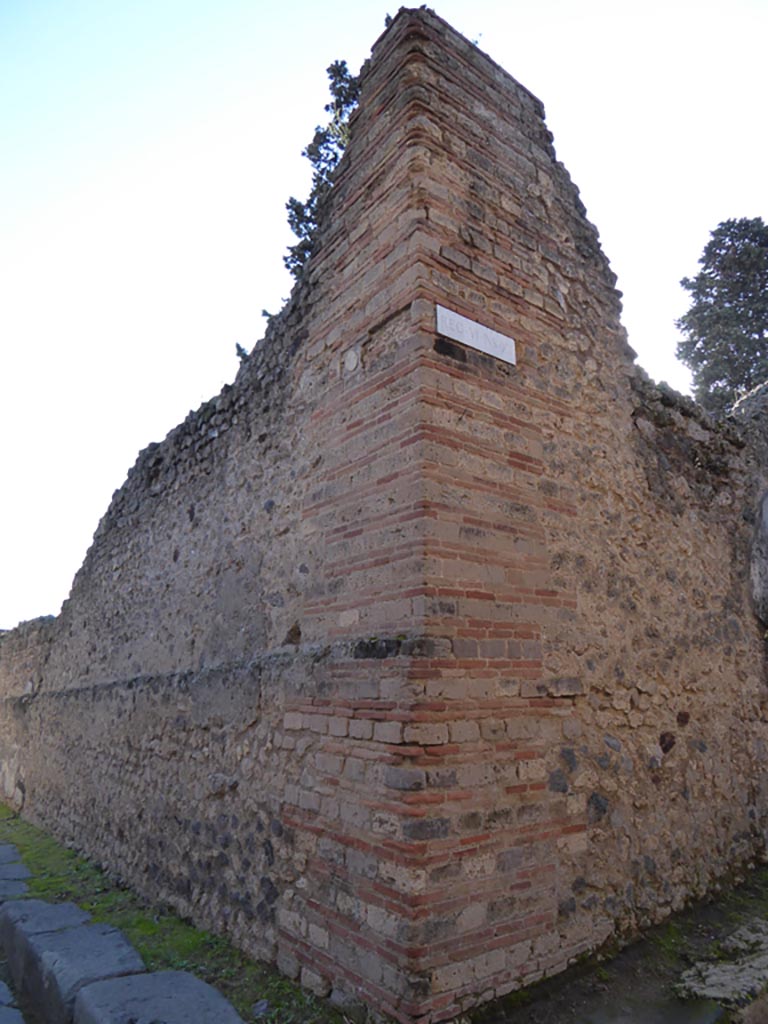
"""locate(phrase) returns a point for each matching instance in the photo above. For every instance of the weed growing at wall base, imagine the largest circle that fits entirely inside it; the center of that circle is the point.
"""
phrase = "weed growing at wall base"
(164, 940)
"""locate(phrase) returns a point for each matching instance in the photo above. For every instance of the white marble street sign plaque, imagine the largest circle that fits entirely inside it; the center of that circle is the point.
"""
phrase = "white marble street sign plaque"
(468, 332)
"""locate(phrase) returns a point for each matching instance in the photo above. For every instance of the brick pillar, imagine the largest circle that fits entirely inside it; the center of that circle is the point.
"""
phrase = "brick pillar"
(441, 795)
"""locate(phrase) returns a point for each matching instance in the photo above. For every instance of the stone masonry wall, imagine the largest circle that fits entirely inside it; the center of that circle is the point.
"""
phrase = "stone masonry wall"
(209, 715)
(585, 746)
(418, 672)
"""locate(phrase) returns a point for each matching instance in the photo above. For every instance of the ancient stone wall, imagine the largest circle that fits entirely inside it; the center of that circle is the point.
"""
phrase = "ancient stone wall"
(209, 716)
(417, 671)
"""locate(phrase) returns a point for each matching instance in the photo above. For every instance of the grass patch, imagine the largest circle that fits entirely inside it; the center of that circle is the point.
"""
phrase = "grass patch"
(164, 940)
(669, 939)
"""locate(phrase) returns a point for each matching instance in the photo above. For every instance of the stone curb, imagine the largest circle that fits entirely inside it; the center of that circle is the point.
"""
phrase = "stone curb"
(71, 971)
(8, 1012)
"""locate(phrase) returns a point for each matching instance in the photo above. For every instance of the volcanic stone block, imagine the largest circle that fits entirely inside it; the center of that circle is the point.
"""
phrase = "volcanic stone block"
(21, 918)
(13, 871)
(173, 997)
(11, 889)
(58, 964)
(8, 1013)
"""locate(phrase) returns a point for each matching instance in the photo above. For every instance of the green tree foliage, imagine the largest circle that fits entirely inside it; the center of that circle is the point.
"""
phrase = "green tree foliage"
(726, 328)
(324, 153)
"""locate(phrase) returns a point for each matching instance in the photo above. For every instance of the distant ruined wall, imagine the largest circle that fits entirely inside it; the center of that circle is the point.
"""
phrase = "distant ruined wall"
(415, 671)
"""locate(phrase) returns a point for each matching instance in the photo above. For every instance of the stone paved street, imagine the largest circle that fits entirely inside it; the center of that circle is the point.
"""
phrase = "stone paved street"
(59, 967)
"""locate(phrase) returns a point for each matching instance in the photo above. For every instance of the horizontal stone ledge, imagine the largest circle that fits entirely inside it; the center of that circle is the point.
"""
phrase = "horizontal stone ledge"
(561, 686)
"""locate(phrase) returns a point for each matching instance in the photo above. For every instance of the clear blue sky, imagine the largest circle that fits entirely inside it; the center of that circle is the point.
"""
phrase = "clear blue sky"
(148, 149)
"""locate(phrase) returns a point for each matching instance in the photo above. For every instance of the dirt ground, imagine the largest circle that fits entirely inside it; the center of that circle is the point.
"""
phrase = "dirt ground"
(638, 986)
